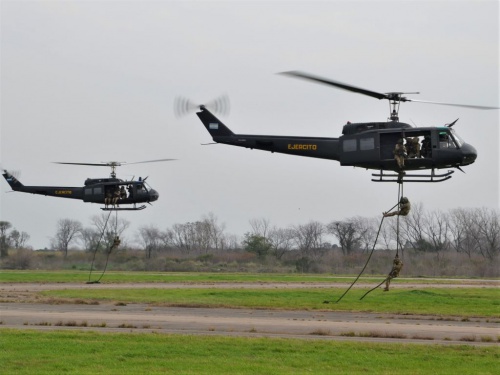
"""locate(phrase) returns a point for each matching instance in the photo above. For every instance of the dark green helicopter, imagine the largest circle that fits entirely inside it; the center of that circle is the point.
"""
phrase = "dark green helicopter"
(112, 192)
(369, 145)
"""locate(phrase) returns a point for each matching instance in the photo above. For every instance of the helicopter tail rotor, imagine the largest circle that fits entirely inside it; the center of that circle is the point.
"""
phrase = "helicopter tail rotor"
(184, 106)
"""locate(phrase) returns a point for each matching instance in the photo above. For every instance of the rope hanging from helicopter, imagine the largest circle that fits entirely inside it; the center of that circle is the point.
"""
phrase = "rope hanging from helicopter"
(398, 244)
(396, 262)
(116, 243)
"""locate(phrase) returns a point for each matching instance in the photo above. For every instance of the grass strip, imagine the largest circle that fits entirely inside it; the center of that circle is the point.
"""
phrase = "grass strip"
(75, 276)
(57, 352)
(463, 302)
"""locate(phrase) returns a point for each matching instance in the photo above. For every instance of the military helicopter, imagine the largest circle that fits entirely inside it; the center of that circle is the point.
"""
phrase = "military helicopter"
(112, 192)
(367, 145)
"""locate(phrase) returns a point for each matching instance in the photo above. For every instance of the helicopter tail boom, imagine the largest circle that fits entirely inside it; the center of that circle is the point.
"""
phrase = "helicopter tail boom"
(316, 147)
(53, 191)
(214, 126)
(12, 181)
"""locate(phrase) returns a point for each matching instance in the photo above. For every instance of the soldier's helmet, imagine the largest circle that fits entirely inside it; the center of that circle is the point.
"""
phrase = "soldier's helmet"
(400, 141)
(404, 200)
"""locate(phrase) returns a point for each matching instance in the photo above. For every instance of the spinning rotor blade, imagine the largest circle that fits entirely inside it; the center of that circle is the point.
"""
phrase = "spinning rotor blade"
(452, 104)
(114, 163)
(340, 85)
(149, 161)
(183, 106)
(392, 96)
(108, 164)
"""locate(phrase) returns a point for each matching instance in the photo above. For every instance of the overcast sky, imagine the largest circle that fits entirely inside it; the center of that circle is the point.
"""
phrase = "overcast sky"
(93, 81)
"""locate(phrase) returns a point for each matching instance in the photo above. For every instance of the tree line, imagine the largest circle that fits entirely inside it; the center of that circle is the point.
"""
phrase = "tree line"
(469, 231)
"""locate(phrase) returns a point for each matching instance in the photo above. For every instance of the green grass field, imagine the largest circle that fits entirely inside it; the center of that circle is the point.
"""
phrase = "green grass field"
(58, 352)
(445, 302)
(75, 276)
(87, 352)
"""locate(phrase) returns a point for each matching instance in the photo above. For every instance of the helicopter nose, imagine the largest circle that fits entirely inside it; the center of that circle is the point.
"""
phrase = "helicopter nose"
(469, 154)
(153, 195)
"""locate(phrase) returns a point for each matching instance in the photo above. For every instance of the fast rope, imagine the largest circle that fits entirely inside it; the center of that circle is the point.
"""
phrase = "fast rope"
(398, 245)
(115, 244)
(366, 264)
(108, 251)
(400, 194)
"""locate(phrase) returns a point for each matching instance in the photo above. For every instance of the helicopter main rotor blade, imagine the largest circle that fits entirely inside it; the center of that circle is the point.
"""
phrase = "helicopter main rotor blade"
(114, 163)
(337, 84)
(149, 161)
(392, 96)
(92, 164)
(452, 104)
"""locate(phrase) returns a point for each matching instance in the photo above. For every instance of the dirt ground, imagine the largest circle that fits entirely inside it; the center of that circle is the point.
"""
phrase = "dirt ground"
(21, 308)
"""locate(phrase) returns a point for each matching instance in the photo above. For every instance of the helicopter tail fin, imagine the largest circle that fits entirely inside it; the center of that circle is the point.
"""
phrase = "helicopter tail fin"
(13, 182)
(214, 126)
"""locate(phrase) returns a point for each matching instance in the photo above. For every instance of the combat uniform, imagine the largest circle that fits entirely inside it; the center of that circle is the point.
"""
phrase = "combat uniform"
(400, 154)
(404, 208)
(116, 243)
(397, 265)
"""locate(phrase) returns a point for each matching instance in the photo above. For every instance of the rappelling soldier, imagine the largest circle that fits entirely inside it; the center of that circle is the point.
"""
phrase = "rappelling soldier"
(404, 208)
(400, 153)
(397, 265)
(116, 243)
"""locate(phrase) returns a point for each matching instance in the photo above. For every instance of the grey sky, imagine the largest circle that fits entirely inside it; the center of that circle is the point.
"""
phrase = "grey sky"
(92, 81)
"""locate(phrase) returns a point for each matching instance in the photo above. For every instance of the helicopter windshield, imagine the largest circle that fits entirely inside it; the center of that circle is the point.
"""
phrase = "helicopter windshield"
(449, 139)
(459, 141)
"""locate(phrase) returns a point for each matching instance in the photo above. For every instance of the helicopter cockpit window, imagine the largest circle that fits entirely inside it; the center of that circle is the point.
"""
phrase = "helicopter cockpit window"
(349, 145)
(446, 141)
(367, 144)
(457, 138)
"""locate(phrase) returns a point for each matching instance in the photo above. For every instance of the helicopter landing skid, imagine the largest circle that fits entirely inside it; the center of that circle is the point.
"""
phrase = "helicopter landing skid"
(403, 177)
(123, 209)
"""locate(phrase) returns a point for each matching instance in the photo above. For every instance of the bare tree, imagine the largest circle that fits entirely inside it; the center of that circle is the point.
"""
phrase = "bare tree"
(437, 230)
(180, 235)
(108, 227)
(260, 227)
(348, 233)
(215, 231)
(231, 241)
(462, 230)
(412, 228)
(309, 238)
(18, 239)
(202, 235)
(367, 231)
(67, 231)
(281, 240)
(151, 238)
(4, 239)
(487, 233)
(90, 238)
